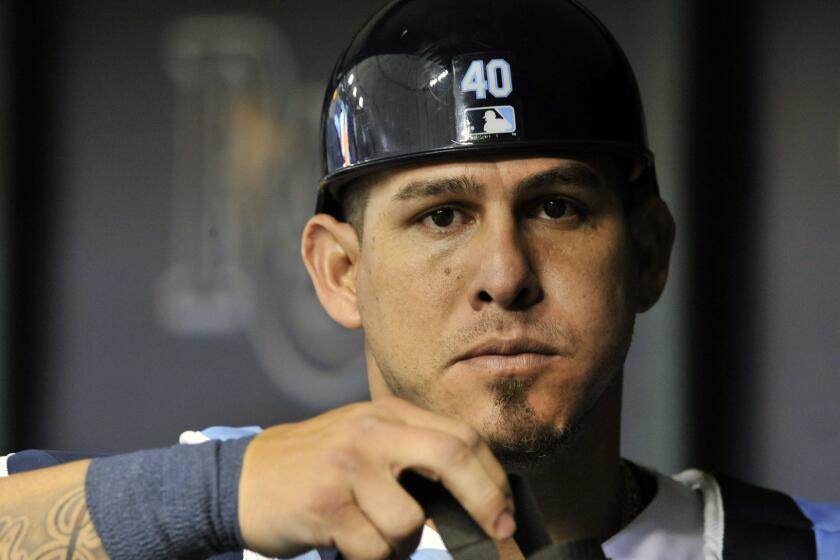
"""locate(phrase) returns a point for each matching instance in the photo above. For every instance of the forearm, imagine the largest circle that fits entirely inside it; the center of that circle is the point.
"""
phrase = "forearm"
(44, 514)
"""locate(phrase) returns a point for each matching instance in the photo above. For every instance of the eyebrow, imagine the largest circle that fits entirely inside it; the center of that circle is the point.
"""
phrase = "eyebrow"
(425, 188)
(566, 174)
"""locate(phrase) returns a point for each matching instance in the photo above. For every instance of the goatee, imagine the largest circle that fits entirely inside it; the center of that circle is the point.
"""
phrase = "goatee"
(519, 440)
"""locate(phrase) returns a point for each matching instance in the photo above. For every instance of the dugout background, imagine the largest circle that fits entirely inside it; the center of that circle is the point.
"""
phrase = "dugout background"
(735, 370)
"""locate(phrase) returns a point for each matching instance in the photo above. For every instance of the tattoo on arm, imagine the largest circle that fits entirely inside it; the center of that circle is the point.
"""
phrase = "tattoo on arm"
(65, 533)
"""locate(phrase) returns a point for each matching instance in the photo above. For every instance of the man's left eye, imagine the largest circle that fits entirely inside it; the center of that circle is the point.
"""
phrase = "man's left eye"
(555, 208)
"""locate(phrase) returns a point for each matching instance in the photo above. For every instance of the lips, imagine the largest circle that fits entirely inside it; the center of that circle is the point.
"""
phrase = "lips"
(509, 356)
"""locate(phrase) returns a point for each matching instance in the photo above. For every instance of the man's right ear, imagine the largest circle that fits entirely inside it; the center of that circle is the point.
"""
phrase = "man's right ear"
(330, 251)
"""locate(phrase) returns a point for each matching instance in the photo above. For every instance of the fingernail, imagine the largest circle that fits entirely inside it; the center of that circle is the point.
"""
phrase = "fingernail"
(504, 526)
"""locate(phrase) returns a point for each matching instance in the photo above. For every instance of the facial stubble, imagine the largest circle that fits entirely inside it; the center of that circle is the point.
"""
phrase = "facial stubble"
(515, 434)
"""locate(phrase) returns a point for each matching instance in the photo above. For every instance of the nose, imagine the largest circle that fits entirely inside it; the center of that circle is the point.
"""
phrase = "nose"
(504, 274)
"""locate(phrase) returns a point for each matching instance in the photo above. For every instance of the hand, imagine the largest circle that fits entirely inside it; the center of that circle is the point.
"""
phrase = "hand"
(333, 481)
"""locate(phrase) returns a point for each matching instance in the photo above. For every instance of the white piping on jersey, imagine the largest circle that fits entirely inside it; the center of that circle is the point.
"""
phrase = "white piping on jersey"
(190, 437)
(712, 510)
(4, 465)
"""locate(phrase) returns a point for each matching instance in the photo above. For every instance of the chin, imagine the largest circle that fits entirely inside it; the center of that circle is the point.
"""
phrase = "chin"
(520, 433)
(525, 446)
(530, 424)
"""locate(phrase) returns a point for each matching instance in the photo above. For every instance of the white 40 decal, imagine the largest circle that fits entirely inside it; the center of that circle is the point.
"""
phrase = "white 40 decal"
(493, 77)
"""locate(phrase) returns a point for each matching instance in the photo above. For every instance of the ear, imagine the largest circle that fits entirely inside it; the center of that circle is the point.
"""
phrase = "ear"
(652, 230)
(330, 251)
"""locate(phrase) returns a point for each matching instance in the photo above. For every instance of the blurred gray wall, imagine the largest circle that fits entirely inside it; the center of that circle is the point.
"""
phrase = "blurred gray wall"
(113, 379)
(797, 437)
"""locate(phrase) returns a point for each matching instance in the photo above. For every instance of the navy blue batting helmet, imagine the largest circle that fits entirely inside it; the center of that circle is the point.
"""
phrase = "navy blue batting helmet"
(427, 80)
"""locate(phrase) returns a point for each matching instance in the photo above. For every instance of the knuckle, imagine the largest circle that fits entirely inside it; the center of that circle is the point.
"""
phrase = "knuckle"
(471, 437)
(329, 503)
(493, 504)
(408, 521)
(357, 549)
(453, 452)
(378, 549)
(365, 425)
(356, 539)
(345, 459)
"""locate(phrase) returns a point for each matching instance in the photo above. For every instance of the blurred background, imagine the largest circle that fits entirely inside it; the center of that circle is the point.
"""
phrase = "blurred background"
(158, 160)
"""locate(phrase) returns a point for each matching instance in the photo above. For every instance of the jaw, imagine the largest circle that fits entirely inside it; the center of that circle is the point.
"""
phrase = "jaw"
(589, 435)
(526, 421)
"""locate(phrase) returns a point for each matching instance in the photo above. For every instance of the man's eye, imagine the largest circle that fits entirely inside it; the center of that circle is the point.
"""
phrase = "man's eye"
(555, 208)
(441, 217)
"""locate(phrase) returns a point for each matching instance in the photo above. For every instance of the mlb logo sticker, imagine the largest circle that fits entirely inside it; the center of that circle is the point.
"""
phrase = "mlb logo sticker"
(499, 119)
(487, 108)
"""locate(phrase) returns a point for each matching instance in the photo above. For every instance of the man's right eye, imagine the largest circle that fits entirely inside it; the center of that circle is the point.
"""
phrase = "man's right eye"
(442, 217)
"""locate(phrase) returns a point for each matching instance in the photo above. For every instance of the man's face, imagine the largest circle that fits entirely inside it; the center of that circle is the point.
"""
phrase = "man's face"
(498, 291)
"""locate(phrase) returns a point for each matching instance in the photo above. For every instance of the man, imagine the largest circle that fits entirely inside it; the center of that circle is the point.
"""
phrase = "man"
(497, 275)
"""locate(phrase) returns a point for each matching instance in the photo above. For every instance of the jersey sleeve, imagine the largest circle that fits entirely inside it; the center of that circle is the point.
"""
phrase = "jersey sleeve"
(826, 520)
(33, 459)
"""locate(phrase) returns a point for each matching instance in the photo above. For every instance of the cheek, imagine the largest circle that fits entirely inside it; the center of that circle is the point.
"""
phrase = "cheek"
(404, 295)
(588, 284)
(599, 289)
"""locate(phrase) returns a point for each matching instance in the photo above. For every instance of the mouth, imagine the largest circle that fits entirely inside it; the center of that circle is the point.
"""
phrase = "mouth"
(520, 356)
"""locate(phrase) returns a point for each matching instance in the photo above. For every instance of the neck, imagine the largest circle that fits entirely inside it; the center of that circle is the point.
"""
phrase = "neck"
(580, 492)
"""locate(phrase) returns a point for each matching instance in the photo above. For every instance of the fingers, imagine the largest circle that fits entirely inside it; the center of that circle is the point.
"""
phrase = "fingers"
(392, 510)
(333, 481)
(357, 538)
(419, 417)
(452, 461)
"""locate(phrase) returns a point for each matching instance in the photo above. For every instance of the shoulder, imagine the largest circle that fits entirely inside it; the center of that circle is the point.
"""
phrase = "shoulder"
(32, 459)
(826, 522)
(743, 518)
(823, 514)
